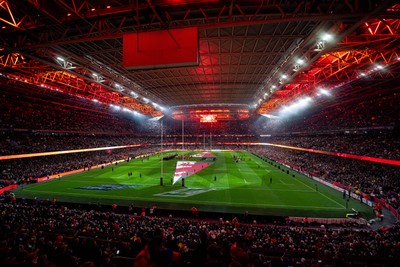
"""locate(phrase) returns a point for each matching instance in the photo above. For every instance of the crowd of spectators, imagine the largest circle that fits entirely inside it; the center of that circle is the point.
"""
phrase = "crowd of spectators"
(52, 111)
(373, 112)
(364, 112)
(375, 144)
(50, 234)
(26, 107)
(20, 143)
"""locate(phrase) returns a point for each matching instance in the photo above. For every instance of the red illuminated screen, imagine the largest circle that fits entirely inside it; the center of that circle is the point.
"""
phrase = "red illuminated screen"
(208, 118)
(161, 49)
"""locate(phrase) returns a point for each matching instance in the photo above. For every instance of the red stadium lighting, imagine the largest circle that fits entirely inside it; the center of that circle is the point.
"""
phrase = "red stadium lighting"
(208, 118)
(205, 114)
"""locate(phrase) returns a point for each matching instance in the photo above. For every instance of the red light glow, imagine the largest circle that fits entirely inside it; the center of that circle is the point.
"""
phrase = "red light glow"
(52, 153)
(208, 118)
(344, 155)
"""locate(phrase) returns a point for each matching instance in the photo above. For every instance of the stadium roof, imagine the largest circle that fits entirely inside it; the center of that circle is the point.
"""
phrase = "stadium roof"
(254, 55)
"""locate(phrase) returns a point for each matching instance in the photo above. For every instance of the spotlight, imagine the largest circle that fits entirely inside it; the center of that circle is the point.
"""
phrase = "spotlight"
(304, 101)
(327, 37)
(324, 92)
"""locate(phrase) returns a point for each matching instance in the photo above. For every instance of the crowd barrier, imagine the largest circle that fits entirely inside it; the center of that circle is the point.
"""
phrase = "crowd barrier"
(327, 221)
(386, 205)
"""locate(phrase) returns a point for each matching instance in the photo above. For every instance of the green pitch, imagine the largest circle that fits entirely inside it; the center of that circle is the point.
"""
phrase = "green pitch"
(224, 186)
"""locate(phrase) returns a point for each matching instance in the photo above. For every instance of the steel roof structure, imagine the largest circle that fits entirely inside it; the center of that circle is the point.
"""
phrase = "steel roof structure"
(254, 55)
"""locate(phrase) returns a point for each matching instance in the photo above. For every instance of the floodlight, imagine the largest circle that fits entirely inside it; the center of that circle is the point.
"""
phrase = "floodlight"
(300, 61)
(324, 92)
(327, 37)
(154, 118)
(304, 101)
(270, 117)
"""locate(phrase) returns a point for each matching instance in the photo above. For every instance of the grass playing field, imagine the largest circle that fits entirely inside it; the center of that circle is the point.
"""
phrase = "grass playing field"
(220, 185)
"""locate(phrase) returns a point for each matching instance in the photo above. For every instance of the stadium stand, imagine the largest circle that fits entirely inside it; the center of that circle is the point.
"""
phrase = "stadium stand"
(44, 233)
(64, 87)
(58, 132)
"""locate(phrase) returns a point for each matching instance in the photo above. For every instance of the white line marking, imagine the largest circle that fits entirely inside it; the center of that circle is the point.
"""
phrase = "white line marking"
(184, 201)
(264, 189)
(323, 195)
(284, 182)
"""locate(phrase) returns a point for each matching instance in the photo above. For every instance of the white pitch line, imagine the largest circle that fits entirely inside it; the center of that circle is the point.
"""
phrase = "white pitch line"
(323, 194)
(250, 171)
(83, 181)
(216, 187)
(284, 182)
(266, 188)
(184, 201)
